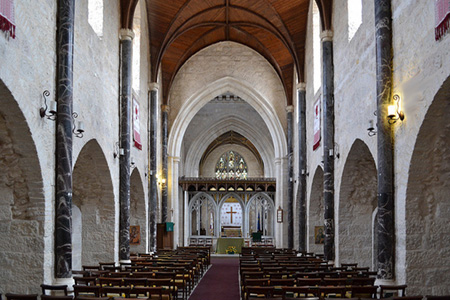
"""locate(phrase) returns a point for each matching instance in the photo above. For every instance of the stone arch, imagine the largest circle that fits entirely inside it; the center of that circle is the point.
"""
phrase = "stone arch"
(358, 200)
(138, 216)
(93, 195)
(271, 214)
(226, 84)
(427, 202)
(222, 126)
(22, 201)
(210, 199)
(241, 202)
(316, 210)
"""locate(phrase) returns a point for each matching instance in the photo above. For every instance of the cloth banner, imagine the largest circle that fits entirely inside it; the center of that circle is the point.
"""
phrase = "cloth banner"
(317, 133)
(7, 22)
(442, 18)
(136, 126)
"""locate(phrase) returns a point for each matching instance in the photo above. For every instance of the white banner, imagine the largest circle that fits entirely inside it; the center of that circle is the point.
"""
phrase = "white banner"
(317, 125)
(136, 126)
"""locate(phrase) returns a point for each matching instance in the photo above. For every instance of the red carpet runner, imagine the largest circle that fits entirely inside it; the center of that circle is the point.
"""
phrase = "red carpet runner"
(220, 282)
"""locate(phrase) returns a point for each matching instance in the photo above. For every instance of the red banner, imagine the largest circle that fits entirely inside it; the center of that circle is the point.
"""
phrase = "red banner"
(442, 18)
(136, 126)
(7, 22)
(317, 121)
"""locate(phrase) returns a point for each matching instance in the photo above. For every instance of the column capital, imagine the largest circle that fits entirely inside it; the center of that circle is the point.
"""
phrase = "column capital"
(165, 108)
(290, 108)
(326, 36)
(153, 86)
(126, 34)
(301, 86)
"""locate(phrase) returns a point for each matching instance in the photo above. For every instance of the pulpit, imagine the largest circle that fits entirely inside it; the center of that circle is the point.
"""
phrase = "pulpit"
(164, 236)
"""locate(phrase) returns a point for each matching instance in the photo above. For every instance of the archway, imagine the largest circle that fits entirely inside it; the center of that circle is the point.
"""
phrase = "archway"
(22, 201)
(427, 203)
(358, 201)
(203, 216)
(94, 197)
(261, 215)
(138, 216)
(231, 214)
(316, 213)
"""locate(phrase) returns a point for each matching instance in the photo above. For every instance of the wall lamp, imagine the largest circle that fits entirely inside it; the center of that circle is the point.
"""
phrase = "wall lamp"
(77, 130)
(117, 150)
(51, 108)
(371, 129)
(394, 112)
(161, 181)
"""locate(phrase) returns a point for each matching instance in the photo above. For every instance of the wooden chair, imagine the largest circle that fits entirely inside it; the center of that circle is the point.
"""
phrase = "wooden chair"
(81, 291)
(50, 297)
(85, 280)
(362, 281)
(167, 284)
(53, 288)
(11, 296)
(279, 284)
(446, 297)
(115, 291)
(413, 298)
(387, 291)
(254, 292)
(300, 292)
(334, 291)
(364, 291)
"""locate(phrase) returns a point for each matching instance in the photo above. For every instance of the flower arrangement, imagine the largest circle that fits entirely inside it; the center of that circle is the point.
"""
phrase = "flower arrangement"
(231, 250)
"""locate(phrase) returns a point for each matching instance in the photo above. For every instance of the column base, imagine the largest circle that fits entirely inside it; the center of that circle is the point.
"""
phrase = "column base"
(124, 261)
(65, 281)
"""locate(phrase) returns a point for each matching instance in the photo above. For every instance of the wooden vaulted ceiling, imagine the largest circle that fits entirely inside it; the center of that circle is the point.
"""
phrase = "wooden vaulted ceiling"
(274, 28)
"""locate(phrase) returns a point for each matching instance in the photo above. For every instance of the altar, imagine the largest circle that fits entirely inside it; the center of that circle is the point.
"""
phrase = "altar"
(224, 243)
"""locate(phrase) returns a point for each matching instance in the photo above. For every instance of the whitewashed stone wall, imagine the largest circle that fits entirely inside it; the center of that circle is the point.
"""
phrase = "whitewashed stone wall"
(421, 65)
(27, 69)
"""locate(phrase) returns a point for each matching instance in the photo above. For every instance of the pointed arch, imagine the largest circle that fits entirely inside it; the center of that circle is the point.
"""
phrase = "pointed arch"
(315, 210)
(22, 200)
(138, 215)
(93, 195)
(427, 202)
(357, 203)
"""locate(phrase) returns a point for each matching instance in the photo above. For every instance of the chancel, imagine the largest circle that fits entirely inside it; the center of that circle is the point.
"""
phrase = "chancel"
(155, 141)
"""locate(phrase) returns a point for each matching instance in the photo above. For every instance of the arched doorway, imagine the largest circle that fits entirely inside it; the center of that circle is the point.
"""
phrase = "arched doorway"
(203, 216)
(427, 202)
(316, 213)
(22, 201)
(358, 201)
(261, 215)
(138, 216)
(93, 196)
(231, 215)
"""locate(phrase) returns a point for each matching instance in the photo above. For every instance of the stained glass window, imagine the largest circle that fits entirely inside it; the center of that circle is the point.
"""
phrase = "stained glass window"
(231, 165)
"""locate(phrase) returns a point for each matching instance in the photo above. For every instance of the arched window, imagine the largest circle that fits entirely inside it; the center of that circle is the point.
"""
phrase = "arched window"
(95, 16)
(231, 165)
(317, 61)
(354, 17)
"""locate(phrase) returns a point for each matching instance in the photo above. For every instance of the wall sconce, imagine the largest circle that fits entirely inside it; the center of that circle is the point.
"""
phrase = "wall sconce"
(132, 163)
(77, 130)
(394, 112)
(51, 110)
(371, 129)
(161, 181)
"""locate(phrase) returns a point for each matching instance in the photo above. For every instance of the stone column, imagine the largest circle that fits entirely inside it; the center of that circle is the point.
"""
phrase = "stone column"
(301, 191)
(126, 43)
(328, 141)
(173, 187)
(385, 221)
(153, 188)
(165, 135)
(290, 173)
(186, 219)
(64, 121)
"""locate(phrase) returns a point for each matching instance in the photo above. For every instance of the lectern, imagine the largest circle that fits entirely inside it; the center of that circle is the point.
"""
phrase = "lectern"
(164, 236)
